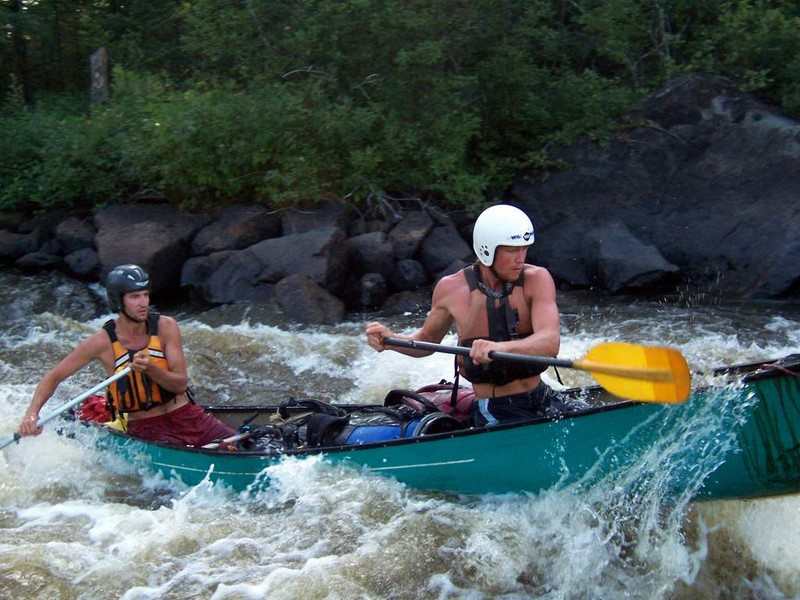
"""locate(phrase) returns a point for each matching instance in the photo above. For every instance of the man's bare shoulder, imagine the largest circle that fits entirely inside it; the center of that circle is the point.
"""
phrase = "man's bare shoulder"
(538, 277)
(535, 272)
(169, 321)
(167, 324)
(168, 329)
(92, 347)
(450, 283)
(98, 339)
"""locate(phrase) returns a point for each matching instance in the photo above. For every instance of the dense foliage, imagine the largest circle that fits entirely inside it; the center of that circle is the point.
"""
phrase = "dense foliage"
(298, 101)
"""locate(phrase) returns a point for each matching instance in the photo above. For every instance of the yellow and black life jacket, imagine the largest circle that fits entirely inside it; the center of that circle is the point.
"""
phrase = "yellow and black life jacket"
(137, 391)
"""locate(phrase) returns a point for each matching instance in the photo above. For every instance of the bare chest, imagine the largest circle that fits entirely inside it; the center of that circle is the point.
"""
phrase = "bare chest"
(133, 342)
(472, 316)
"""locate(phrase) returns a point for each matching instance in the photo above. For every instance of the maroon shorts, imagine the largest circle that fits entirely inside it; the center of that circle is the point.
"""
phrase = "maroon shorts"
(188, 425)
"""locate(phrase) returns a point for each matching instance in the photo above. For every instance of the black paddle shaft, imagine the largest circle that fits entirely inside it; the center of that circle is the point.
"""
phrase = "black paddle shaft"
(494, 355)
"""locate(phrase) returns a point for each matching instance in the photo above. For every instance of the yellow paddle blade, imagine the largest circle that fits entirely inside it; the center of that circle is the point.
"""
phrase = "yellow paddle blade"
(644, 373)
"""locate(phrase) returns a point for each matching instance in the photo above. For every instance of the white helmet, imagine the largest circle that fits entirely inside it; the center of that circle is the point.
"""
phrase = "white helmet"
(500, 225)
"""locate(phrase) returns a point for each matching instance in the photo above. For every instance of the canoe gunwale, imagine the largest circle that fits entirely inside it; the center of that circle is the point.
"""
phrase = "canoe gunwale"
(346, 448)
(745, 373)
(768, 369)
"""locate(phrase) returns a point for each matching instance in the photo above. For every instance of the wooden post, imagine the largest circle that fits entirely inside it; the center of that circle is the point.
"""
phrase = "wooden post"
(98, 91)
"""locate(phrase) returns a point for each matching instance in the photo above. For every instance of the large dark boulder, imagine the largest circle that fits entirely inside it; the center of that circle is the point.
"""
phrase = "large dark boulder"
(15, 245)
(416, 302)
(155, 237)
(335, 214)
(367, 292)
(371, 253)
(443, 246)
(250, 274)
(607, 257)
(37, 261)
(707, 179)
(237, 228)
(83, 264)
(74, 234)
(197, 270)
(626, 264)
(407, 236)
(407, 275)
(304, 301)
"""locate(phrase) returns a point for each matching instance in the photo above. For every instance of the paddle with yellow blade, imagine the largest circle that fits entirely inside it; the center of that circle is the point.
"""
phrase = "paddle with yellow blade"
(643, 373)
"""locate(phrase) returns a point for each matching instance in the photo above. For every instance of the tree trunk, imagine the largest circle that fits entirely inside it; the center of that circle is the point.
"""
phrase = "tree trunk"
(99, 73)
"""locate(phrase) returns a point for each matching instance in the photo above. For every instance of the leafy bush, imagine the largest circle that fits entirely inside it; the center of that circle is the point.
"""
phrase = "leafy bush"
(286, 103)
(755, 43)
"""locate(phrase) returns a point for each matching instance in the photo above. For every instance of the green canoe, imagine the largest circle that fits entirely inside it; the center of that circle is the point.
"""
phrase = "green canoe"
(736, 438)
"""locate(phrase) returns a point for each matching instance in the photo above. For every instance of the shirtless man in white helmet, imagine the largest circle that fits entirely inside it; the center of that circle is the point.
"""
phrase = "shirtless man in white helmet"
(503, 304)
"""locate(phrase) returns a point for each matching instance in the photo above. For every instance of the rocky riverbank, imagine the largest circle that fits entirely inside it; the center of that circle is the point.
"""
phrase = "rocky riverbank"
(698, 193)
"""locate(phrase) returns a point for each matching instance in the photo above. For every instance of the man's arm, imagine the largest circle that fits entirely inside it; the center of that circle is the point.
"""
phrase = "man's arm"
(436, 325)
(82, 355)
(545, 319)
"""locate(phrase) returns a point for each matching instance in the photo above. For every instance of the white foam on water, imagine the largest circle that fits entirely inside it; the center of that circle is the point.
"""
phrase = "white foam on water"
(770, 528)
(321, 531)
(333, 532)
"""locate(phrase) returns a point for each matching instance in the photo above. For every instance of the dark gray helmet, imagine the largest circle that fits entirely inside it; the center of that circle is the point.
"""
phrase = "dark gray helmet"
(124, 279)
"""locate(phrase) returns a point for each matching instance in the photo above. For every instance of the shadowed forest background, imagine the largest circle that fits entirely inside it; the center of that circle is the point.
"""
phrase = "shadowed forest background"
(297, 102)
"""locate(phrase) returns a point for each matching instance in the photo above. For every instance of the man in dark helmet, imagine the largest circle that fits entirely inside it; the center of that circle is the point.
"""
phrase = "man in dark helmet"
(503, 304)
(154, 395)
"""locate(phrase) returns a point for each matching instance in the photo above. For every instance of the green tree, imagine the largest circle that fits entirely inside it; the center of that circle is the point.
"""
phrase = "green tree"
(299, 101)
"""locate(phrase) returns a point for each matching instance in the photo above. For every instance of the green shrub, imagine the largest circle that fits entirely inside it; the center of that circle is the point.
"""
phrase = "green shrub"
(296, 103)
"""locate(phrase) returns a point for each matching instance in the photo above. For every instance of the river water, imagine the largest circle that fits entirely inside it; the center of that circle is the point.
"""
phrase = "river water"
(75, 523)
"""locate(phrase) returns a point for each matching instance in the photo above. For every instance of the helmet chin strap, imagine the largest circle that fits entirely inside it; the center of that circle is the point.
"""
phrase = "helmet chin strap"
(508, 286)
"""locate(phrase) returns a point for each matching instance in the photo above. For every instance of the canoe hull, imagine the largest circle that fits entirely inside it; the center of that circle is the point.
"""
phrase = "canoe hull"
(738, 440)
(767, 459)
